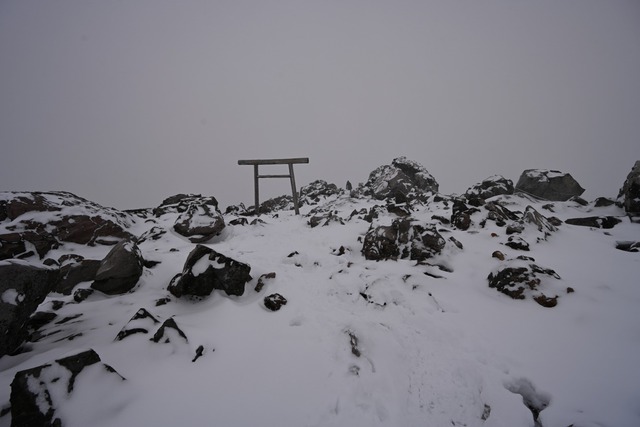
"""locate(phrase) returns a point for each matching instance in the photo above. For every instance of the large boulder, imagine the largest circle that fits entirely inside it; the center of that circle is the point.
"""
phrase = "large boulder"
(22, 288)
(402, 180)
(120, 270)
(200, 221)
(89, 230)
(630, 191)
(206, 270)
(493, 186)
(39, 395)
(75, 272)
(548, 185)
(404, 238)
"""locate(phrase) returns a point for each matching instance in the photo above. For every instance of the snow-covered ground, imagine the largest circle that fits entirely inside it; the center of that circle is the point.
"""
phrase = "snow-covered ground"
(359, 342)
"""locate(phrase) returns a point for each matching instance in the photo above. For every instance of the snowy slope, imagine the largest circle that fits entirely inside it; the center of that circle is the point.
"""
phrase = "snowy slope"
(359, 342)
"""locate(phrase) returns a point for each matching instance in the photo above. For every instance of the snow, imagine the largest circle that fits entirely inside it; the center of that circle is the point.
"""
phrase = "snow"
(444, 351)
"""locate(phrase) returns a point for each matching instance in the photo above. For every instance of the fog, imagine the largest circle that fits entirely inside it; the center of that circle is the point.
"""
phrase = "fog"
(128, 102)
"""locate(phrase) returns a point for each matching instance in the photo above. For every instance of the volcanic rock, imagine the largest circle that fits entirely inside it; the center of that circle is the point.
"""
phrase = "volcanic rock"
(490, 187)
(120, 270)
(403, 180)
(548, 185)
(404, 238)
(200, 221)
(206, 270)
(630, 191)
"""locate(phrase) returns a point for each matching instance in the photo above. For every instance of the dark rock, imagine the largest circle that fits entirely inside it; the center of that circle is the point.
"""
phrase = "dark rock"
(276, 204)
(630, 191)
(180, 203)
(628, 246)
(404, 238)
(602, 202)
(548, 185)
(312, 193)
(27, 202)
(499, 214)
(321, 217)
(155, 233)
(403, 180)
(89, 230)
(490, 187)
(199, 353)
(456, 242)
(169, 332)
(442, 219)
(141, 323)
(120, 270)
(13, 245)
(201, 220)
(498, 254)
(605, 222)
(82, 294)
(514, 228)
(517, 243)
(535, 218)
(353, 341)
(239, 221)
(72, 274)
(519, 279)
(37, 393)
(274, 302)
(206, 270)
(579, 200)
(22, 288)
(261, 280)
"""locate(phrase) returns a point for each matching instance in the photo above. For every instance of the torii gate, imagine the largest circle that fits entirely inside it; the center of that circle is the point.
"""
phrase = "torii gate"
(257, 176)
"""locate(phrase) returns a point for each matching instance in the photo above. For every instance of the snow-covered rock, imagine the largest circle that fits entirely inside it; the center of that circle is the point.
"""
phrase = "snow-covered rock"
(630, 191)
(548, 184)
(489, 187)
(120, 270)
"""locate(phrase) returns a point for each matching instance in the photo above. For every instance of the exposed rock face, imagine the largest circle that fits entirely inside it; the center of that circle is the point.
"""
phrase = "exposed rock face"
(200, 221)
(206, 270)
(312, 194)
(595, 221)
(402, 180)
(38, 392)
(630, 191)
(490, 187)
(16, 245)
(72, 273)
(89, 230)
(521, 278)
(22, 288)
(120, 270)
(141, 323)
(404, 238)
(548, 184)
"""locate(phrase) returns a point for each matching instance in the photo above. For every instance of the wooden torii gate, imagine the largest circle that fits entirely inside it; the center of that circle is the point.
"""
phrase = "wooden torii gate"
(256, 176)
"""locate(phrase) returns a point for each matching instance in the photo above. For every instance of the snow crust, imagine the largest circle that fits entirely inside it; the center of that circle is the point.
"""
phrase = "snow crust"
(446, 351)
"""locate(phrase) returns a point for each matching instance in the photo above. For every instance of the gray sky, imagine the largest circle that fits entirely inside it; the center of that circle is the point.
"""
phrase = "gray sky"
(128, 102)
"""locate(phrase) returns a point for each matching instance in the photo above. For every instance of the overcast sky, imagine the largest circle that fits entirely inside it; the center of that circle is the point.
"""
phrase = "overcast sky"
(128, 102)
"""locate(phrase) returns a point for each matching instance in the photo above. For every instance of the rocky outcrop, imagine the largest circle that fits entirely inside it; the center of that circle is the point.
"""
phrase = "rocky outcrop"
(404, 238)
(401, 181)
(605, 222)
(548, 185)
(201, 220)
(313, 193)
(74, 272)
(38, 393)
(521, 278)
(120, 270)
(490, 187)
(206, 270)
(23, 287)
(630, 191)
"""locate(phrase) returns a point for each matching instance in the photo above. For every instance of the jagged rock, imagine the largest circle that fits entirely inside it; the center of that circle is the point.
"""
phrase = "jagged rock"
(630, 191)
(490, 187)
(206, 270)
(518, 243)
(22, 288)
(120, 270)
(520, 278)
(276, 204)
(169, 332)
(262, 278)
(548, 185)
(535, 218)
(403, 180)
(319, 216)
(200, 221)
(73, 273)
(180, 203)
(14, 245)
(82, 294)
(602, 202)
(499, 214)
(628, 246)
(498, 254)
(274, 302)
(605, 222)
(404, 238)
(239, 221)
(141, 323)
(89, 230)
(155, 233)
(37, 393)
(20, 203)
(312, 193)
